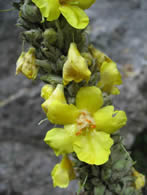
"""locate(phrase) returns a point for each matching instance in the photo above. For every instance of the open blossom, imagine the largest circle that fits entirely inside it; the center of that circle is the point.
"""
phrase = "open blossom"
(72, 10)
(75, 68)
(26, 64)
(87, 126)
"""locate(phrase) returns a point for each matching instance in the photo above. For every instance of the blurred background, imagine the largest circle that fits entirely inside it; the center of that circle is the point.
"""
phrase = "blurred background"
(118, 28)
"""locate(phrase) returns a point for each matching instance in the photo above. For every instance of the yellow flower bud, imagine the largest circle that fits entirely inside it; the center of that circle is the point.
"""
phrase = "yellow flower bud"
(139, 179)
(110, 77)
(46, 91)
(63, 173)
(75, 68)
(27, 65)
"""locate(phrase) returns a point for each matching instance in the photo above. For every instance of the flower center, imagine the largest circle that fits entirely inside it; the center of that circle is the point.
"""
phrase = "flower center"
(85, 122)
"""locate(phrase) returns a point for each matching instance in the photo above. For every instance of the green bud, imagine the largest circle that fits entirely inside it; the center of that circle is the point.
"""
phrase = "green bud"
(44, 64)
(99, 190)
(33, 36)
(49, 37)
(30, 13)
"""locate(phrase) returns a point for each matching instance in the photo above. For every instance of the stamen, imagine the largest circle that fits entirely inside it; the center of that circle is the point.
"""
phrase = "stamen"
(85, 122)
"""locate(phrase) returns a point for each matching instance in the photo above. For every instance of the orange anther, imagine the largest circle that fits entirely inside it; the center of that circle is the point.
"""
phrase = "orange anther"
(80, 123)
(83, 113)
(93, 126)
(89, 121)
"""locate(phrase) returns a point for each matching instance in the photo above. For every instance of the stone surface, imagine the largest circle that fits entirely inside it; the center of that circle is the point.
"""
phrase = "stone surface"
(133, 100)
(119, 29)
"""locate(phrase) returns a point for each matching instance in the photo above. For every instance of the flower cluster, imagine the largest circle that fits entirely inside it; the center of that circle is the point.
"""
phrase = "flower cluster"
(88, 124)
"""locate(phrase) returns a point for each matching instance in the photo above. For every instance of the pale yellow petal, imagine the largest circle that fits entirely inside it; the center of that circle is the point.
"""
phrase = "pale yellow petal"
(108, 120)
(46, 91)
(59, 140)
(59, 113)
(63, 173)
(93, 147)
(109, 78)
(56, 95)
(75, 16)
(75, 68)
(89, 98)
(48, 8)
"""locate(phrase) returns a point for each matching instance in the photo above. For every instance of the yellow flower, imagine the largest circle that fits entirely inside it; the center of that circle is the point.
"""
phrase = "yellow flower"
(72, 10)
(87, 126)
(63, 173)
(75, 68)
(109, 74)
(139, 179)
(26, 64)
(109, 78)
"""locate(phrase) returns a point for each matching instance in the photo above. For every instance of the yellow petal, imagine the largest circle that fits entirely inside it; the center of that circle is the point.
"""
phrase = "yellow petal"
(99, 56)
(89, 98)
(46, 91)
(108, 120)
(109, 77)
(57, 95)
(48, 8)
(20, 62)
(63, 173)
(93, 147)
(75, 68)
(85, 4)
(62, 114)
(75, 16)
(139, 179)
(57, 110)
(59, 140)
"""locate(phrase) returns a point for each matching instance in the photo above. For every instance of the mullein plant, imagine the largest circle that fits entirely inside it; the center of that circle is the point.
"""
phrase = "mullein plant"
(79, 80)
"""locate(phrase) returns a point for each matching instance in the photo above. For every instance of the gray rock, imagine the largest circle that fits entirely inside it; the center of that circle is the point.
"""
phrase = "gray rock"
(132, 100)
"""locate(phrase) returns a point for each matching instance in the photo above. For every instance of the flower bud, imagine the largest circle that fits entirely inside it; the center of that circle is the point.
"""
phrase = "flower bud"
(30, 13)
(50, 36)
(75, 68)
(46, 91)
(139, 179)
(27, 65)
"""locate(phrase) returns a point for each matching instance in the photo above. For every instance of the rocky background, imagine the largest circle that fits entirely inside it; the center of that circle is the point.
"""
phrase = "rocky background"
(119, 28)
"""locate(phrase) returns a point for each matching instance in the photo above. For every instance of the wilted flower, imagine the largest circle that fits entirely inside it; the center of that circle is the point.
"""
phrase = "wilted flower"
(63, 173)
(75, 68)
(26, 64)
(87, 126)
(72, 10)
